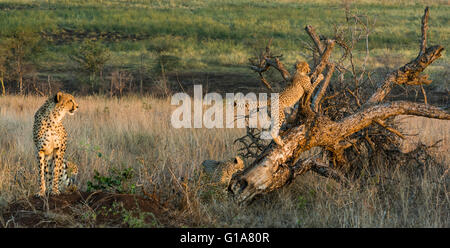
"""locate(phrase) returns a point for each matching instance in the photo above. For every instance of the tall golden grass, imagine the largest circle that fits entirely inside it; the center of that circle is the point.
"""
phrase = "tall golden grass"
(136, 132)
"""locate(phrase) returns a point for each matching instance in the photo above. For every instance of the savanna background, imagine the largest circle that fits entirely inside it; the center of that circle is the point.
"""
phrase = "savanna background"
(124, 59)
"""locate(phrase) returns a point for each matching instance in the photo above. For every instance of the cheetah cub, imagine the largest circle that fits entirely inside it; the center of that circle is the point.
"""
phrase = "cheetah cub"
(50, 139)
(300, 85)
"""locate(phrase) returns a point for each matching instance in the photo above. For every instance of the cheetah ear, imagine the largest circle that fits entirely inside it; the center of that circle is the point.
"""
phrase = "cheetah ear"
(306, 68)
(58, 96)
(238, 160)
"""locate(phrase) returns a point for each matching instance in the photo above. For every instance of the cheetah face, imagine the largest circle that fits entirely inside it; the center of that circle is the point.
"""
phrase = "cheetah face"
(302, 67)
(67, 101)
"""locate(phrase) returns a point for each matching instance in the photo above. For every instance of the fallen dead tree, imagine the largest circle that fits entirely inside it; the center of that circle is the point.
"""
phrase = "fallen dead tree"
(327, 126)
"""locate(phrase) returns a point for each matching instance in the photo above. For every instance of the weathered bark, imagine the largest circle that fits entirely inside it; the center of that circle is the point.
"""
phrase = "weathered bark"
(278, 165)
(423, 44)
(324, 60)
(316, 101)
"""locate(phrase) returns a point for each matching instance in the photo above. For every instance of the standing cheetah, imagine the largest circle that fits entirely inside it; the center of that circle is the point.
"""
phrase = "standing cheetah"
(50, 139)
(300, 85)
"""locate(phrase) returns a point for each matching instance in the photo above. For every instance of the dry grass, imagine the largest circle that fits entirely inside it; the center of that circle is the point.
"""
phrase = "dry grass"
(428, 132)
(136, 132)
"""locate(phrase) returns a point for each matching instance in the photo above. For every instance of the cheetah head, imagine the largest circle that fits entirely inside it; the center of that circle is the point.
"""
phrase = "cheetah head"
(302, 67)
(222, 172)
(67, 102)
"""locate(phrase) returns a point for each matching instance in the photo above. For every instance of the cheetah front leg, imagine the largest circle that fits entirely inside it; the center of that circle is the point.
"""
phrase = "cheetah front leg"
(58, 156)
(276, 126)
(43, 170)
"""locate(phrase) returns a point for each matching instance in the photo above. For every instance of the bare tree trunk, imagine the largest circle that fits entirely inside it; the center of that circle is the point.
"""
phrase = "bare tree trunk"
(141, 81)
(111, 84)
(100, 89)
(20, 76)
(3, 85)
(120, 84)
(49, 85)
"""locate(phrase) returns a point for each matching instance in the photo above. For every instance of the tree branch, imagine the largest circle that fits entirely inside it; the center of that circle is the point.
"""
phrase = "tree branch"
(316, 77)
(323, 88)
(312, 33)
(323, 60)
(276, 63)
(364, 118)
(409, 73)
(390, 129)
(423, 44)
(265, 82)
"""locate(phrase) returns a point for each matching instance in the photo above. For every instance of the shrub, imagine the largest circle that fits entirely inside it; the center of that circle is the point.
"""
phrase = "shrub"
(117, 181)
(91, 57)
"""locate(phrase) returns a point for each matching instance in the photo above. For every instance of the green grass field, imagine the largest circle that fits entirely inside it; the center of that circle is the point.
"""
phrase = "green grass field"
(218, 36)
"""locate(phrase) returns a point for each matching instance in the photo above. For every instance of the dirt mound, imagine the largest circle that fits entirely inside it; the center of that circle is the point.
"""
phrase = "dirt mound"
(83, 209)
